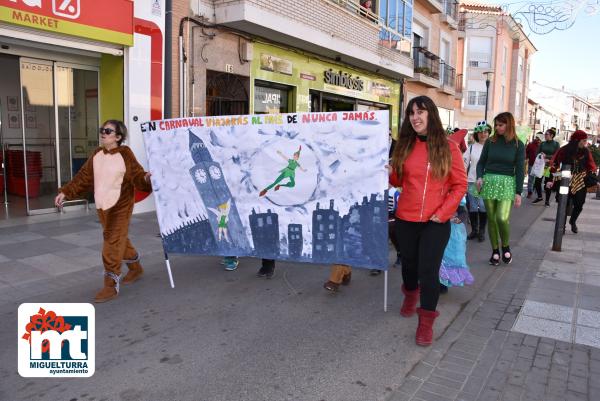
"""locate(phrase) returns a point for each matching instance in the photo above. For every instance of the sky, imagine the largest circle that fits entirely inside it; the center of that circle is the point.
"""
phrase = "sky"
(569, 57)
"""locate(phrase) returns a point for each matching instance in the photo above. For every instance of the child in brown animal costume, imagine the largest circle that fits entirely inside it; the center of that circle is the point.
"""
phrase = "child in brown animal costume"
(114, 173)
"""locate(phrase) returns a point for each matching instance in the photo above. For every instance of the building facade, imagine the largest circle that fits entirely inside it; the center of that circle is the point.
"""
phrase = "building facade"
(570, 111)
(65, 70)
(495, 62)
(434, 43)
(258, 56)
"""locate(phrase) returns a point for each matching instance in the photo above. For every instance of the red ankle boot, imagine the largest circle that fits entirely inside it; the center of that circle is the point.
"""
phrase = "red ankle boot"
(424, 335)
(409, 305)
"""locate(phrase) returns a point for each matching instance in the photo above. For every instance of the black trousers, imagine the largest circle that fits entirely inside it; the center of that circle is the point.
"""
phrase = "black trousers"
(421, 247)
(577, 200)
(538, 187)
(392, 232)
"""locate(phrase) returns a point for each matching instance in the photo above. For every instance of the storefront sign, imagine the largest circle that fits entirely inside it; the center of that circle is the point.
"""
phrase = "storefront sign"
(379, 89)
(269, 100)
(275, 64)
(307, 76)
(107, 20)
(343, 79)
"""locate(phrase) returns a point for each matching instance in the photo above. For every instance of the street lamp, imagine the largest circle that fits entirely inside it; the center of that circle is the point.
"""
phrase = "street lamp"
(487, 74)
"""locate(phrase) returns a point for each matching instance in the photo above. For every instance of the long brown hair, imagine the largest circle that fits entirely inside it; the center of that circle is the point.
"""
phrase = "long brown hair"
(511, 132)
(438, 149)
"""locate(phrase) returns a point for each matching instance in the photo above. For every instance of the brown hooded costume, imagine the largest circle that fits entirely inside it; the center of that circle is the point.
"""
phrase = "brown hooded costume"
(113, 175)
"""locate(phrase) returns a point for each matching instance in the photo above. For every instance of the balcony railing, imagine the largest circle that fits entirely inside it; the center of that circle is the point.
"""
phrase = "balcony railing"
(388, 37)
(459, 84)
(355, 7)
(448, 75)
(426, 63)
(462, 22)
(451, 8)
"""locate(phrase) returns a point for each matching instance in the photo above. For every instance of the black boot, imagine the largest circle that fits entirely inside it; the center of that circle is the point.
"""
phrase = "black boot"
(473, 218)
(573, 225)
(482, 223)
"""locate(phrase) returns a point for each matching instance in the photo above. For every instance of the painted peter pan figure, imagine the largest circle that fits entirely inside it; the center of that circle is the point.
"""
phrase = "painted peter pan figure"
(288, 172)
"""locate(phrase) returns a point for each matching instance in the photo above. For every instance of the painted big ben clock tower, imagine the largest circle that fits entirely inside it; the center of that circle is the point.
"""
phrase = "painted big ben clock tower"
(220, 206)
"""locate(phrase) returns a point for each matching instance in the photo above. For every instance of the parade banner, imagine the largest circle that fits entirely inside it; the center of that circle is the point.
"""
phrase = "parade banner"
(306, 187)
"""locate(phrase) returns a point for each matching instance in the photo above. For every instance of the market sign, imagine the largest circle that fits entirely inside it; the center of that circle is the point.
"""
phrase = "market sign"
(107, 20)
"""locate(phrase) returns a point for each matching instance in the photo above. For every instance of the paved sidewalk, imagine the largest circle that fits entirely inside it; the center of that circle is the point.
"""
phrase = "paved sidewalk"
(532, 334)
(218, 335)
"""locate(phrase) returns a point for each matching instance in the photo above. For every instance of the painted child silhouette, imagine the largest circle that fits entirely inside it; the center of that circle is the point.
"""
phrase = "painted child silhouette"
(287, 172)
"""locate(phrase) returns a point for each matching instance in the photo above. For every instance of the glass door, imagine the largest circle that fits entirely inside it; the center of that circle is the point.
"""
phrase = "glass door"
(78, 117)
(34, 170)
(60, 128)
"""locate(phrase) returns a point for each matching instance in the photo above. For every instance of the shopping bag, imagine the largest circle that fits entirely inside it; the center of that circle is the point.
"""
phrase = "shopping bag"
(537, 170)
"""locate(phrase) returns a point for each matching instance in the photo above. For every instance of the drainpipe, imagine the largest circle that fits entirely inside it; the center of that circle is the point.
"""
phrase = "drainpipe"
(168, 58)
(182, 112)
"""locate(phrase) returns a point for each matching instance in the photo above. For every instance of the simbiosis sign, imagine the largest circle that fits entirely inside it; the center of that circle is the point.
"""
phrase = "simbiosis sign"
(344, 79)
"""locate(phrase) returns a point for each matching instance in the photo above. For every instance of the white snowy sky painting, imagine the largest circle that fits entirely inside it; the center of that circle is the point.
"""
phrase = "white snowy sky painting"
(344, 161)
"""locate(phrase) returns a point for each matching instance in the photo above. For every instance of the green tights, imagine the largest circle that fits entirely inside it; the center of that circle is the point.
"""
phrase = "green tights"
(498, 220)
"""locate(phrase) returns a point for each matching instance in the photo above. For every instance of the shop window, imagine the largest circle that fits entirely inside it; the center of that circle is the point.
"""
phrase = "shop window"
(271, 98)
(226, 94)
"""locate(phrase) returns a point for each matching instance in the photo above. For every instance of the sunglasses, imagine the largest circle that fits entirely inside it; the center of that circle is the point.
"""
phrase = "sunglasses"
(106, 131)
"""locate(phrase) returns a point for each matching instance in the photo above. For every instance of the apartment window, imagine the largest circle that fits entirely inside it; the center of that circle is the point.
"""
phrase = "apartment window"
(502, 95)
(481, 98)
(471, 98)
(396, 17)
(476, 98)
(504, 59)
(520, 69)
(480, 51)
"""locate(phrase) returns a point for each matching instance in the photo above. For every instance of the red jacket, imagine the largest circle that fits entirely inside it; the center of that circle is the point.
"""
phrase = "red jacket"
(560, 157)
(423, 195)
(531, 152)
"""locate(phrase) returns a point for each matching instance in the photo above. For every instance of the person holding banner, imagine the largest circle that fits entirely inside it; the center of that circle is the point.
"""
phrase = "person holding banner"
(113, 173)
(428, 168)
(500, 176)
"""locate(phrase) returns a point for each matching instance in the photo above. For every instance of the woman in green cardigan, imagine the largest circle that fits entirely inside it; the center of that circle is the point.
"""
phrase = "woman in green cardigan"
(500, 176)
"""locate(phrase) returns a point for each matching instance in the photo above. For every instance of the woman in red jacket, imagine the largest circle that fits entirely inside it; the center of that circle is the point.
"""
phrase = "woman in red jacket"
(430, 172)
